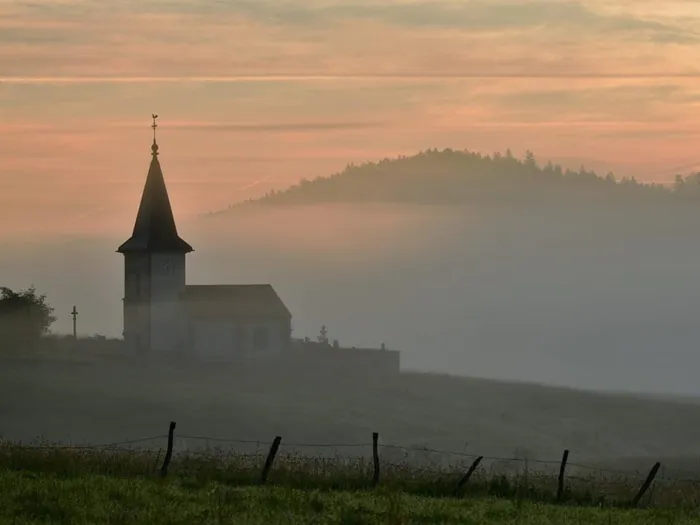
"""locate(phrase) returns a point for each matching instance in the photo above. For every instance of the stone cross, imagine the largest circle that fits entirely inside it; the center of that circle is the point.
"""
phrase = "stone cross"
(74, 314)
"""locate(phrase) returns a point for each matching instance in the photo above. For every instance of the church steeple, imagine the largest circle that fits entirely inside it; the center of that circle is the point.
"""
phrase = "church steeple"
(155, 230)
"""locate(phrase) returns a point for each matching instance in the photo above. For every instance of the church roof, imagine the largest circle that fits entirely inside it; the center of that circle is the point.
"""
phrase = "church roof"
(238, 300)
(155, 230)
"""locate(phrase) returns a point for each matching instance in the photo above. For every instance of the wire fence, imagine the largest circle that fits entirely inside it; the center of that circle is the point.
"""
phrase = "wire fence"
(426, 470)
(416, 458)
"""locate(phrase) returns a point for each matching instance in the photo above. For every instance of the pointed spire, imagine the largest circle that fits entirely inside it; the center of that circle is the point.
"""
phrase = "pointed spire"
(155, 230)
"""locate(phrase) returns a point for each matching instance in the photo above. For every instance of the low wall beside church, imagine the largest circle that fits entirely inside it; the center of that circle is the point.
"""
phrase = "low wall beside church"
(303, 358)
(307, 356)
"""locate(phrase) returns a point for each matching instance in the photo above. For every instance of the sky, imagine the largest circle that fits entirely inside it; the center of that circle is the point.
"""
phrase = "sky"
(254, 95)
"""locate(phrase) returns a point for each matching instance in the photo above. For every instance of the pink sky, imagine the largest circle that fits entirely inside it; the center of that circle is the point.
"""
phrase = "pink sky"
(257, 94)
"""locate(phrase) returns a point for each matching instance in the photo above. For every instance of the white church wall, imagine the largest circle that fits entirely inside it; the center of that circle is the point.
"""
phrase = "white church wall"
(136, 308)
(274, 344)
(215, 339)
(167, 282)
(167, 328)
(236, 338)
(136, 317)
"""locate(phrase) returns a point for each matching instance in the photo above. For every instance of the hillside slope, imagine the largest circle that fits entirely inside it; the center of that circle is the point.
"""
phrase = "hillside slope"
(464, 177)
(101, 402)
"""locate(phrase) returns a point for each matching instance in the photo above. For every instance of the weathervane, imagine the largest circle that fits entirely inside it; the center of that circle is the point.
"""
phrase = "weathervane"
(154, 148)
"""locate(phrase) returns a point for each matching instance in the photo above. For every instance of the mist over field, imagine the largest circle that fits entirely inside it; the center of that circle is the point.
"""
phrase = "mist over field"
(490, 268)
(482, 216)
(594, 296)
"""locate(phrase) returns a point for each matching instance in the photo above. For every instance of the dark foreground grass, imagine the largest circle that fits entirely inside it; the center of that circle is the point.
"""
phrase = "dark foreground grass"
(97, 499)
(55, 485)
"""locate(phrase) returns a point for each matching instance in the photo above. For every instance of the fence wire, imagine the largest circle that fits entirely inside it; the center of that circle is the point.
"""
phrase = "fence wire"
(404, 464)
(667, 475)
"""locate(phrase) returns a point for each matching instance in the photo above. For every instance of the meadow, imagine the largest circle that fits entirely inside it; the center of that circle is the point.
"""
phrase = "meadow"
(46, 484)
(103, 401)
(323, 472)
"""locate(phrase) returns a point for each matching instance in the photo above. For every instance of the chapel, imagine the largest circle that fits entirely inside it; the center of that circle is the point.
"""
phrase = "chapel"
(165, 315)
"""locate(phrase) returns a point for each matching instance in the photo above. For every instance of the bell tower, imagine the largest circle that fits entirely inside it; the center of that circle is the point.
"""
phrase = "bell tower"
(154, 269)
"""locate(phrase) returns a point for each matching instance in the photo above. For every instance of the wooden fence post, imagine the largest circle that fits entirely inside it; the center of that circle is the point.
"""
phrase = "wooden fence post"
(562, 470)
(169, 452)
(468, 475)
(375, 457)
(270, 458)
(646, 484)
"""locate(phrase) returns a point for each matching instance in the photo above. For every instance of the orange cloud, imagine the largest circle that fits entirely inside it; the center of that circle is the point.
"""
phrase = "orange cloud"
(263, 91)
(420, 39)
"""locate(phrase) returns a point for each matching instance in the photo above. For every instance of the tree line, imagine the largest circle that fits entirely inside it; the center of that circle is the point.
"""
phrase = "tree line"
(462, 177)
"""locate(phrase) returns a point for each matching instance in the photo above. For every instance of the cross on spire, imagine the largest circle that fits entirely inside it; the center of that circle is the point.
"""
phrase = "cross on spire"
(154, 147)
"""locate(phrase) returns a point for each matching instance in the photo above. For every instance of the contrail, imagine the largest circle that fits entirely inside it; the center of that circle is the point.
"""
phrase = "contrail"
(255, 183)
(349, 76)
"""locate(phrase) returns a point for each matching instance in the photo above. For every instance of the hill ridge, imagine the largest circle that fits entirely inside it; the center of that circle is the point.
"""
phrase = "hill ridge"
(458, 177)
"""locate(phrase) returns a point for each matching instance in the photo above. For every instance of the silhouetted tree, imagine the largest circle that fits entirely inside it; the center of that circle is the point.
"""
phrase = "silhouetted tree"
(530, 159)
(24, 317)
(678, 183)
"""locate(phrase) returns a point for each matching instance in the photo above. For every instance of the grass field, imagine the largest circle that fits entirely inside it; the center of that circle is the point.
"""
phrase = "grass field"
(95, 402)
(73, 486)
(101, 401)
(94, 499)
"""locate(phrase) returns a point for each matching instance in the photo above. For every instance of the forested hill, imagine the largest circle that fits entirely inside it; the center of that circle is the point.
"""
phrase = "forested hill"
(463, 177)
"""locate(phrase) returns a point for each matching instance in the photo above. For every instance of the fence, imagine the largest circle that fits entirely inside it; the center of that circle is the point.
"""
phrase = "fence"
(561, 469)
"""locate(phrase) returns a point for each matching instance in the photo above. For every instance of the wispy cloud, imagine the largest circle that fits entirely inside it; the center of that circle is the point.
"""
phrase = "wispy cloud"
(399, 77)
(189, 126)
(283, 127)
(249, 90)
(475, 15)
(211, 40)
